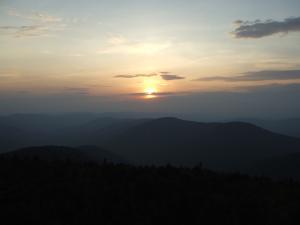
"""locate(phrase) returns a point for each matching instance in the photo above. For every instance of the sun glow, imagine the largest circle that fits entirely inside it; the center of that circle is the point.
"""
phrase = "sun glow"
(149, 87)
(150, 91)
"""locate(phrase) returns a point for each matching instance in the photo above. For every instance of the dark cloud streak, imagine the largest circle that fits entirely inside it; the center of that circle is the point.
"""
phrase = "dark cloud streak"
(258, 76)
(160, 94)
(135, 75)
(171, 77)
(259, 29)
(164, 75)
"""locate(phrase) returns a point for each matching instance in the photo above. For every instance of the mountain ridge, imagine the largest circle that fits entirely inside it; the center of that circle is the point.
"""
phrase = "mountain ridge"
(171, 140)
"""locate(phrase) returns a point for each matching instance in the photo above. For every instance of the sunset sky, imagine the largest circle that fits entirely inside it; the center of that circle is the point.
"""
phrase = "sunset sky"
(150, 55)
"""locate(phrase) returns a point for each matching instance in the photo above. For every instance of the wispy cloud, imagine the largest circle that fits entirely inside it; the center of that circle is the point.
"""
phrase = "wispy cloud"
(135, 75)
(35, 16)
(80, 91)
(117, 40)
(42, 24)
(259, 29)
(75, 54)
(25, 31)
(4, 77)
(258, 76)
(135, 48)
(9, 74)
(118, 44)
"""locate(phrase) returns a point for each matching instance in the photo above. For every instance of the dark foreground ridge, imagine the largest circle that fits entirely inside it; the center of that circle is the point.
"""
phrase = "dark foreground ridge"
(34, 191)
(86, 153)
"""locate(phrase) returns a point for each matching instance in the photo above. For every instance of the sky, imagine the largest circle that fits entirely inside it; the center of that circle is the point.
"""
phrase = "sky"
(234, 57)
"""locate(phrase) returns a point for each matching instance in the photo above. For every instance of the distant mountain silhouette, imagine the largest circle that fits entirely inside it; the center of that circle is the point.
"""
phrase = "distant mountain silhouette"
(218, 145)
(290, 127)
(79, 154)
(44, 123)
(94, 132)
(25, 130)
(233, 145)
(12, 137)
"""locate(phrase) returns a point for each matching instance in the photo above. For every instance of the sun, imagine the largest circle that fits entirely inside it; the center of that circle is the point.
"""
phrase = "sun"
(150, 91)
(150, 88)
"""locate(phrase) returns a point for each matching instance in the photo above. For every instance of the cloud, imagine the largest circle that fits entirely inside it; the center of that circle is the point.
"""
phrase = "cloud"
(75, 55)
(43, 24)
(160, 94)
(35, 16)
(258, 76)
(24, 31)
(171, 77)
(29, 31)
(7, 75)
(117, 40)
(79, 91)
(164, 75)
(135, 75)
(259, 29)
(120, 45)
(292, 89)
(4, 77)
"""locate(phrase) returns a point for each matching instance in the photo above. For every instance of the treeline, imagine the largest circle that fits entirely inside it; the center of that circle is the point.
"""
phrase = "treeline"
(33, 191)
